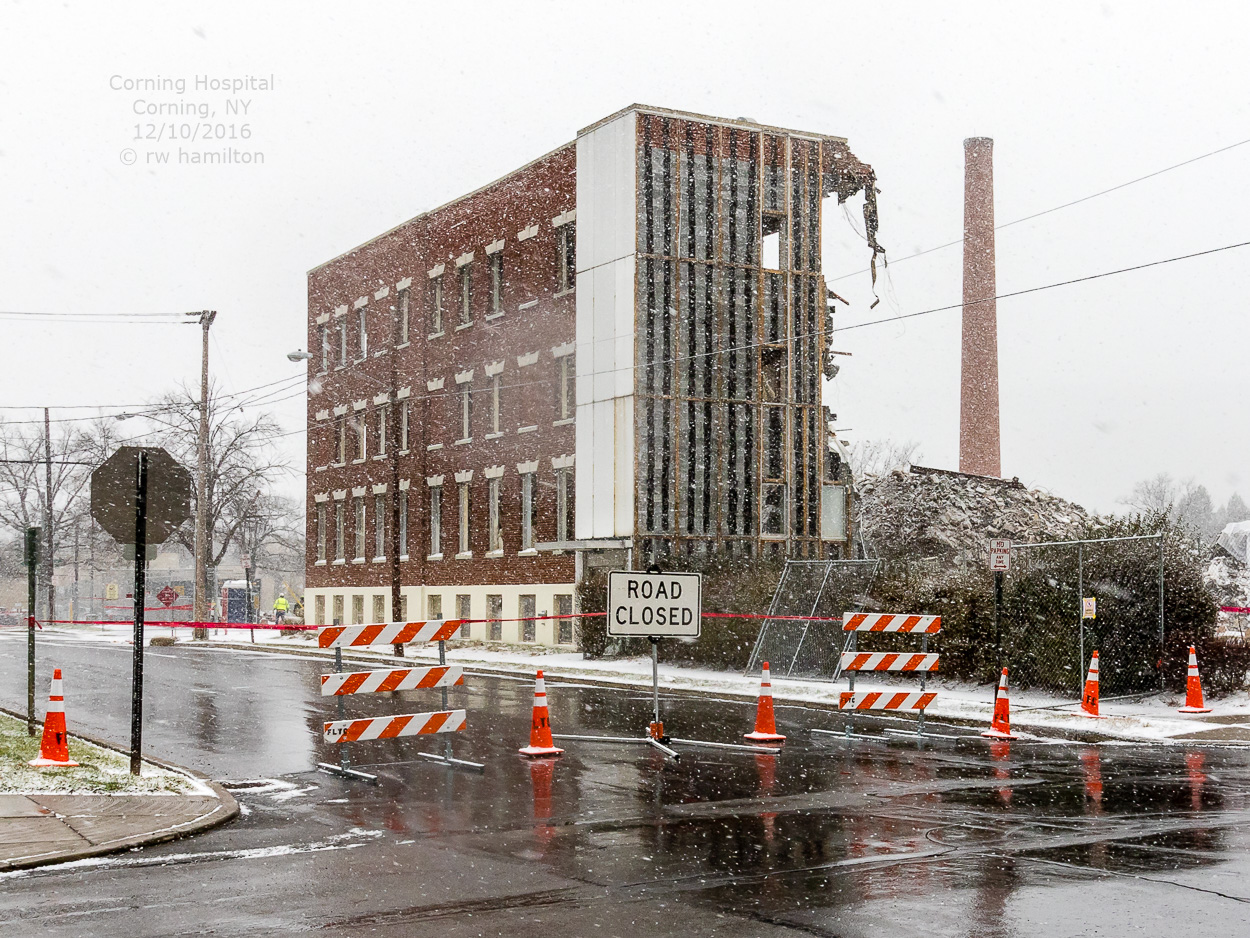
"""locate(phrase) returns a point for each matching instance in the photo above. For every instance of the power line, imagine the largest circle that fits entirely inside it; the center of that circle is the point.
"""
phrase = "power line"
(1047, 286)
(1057, 208)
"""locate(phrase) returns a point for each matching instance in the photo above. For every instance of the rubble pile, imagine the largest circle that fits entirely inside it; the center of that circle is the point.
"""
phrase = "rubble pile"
(937, 513)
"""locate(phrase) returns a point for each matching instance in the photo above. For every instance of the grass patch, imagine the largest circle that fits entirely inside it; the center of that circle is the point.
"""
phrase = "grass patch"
(102, 771)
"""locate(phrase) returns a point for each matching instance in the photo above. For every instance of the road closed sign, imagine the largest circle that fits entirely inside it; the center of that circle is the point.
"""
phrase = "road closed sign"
(654, 605)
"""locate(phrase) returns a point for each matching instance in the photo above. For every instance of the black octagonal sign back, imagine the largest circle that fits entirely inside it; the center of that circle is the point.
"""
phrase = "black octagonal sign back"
(113, 494)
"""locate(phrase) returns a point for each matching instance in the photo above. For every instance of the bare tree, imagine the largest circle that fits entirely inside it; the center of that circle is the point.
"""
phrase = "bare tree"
(242, 464)
(878, 457)
(43, 478)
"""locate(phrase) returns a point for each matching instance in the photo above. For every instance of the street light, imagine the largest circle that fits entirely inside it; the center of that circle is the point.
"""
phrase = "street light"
(298, 356)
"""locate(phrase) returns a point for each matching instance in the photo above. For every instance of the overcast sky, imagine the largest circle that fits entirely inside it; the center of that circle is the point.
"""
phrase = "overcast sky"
(380, 111)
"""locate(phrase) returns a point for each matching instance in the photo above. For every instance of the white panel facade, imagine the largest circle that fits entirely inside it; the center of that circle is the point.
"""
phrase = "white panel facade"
(606, 245)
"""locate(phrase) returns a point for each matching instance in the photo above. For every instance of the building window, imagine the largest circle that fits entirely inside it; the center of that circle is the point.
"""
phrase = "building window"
(358, 609)
(403, 608)
(402, 304)
(436, 305)
(527, 510)
(564, 504)
(403, 425)
(565, 384)
(340, 431)
(360, 526)
(319, 610)
(466, 294)
(494, 612)
(324, 332)
(564, 624)
(338, 609)
(321, 533)
(359, 423)
(403, 524)
(382, 413)
(770, 240)
(464, 607)
(436, 520)
(379, 526)
(363, 349)
(496, 387)
(529, 609)
(379, 608)
(466, 410)
(434, 606)
(340, 541)
(566, 257)
(496, 282)
(496, 535)
(773, 509)
(464, 517)
(343, 342)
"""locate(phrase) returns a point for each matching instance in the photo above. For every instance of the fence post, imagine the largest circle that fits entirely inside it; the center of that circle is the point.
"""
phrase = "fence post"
(1160, 611)
(1080, 608)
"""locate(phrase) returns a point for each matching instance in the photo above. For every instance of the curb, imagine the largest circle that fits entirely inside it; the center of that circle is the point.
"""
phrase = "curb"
(527, 671)
(226, 810)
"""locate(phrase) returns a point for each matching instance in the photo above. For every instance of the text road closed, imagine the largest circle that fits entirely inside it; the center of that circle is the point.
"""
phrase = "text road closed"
(654, 604)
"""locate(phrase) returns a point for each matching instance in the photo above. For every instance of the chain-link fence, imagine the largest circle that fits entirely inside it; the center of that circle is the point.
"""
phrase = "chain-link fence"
(1037, 628)
(796, 648)
(1047, 637)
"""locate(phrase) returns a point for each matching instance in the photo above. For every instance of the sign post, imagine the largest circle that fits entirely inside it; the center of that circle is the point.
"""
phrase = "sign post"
(32, 565)
(140, 495)
(1000, 563)
(136, 684)
(655, 605)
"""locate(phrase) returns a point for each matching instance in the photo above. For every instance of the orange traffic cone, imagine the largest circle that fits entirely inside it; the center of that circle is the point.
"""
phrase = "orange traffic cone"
(765, 722)
(54, 750)
(1193, 688)
(541, 743)
(1000, 725)
(1089, 700)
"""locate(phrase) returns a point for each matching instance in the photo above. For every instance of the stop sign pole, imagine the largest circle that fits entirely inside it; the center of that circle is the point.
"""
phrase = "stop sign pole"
(141, 544)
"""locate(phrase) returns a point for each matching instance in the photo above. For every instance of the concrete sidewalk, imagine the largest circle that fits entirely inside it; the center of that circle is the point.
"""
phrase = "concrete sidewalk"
(40, 829)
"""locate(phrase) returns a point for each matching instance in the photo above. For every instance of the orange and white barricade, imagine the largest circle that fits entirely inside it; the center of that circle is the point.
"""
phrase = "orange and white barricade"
(342, 684)
(922, 662)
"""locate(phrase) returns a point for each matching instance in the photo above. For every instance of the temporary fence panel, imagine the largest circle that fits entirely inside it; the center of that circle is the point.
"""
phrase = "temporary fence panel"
(382, 680)
(1047, 639)
(814, 588)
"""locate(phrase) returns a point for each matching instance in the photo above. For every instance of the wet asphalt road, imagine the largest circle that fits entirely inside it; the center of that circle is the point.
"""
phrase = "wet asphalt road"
(827, 838)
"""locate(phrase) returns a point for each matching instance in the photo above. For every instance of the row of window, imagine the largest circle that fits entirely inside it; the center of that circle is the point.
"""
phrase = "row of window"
(352, 338)
(527, 613)
(351, 436)
(348, 529)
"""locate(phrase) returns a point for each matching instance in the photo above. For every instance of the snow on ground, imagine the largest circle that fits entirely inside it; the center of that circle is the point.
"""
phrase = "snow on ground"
(1151, 718)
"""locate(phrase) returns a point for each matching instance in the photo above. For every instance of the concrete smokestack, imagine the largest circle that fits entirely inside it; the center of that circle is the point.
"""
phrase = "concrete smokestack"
(979, 450)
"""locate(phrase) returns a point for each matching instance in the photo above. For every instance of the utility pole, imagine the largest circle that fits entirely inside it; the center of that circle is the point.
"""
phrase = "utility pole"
(202, 546)
(73, 602)
(32, 564)
(47, 516)
(392, 442)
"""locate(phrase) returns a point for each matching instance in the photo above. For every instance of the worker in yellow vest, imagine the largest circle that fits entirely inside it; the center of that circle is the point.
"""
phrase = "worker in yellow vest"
(279, 609)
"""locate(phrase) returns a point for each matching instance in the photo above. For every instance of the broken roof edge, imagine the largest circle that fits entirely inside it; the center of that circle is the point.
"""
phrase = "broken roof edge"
(708, 119)
(438, 208)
